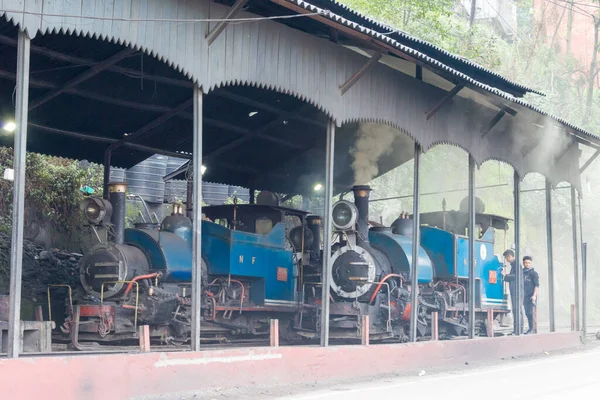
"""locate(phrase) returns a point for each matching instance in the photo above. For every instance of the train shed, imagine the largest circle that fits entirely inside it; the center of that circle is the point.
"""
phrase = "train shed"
(262, 94)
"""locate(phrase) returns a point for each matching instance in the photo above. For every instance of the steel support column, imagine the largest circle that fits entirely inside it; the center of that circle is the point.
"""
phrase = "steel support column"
(472, 238)
(197, 220)
(327, 220)
(575, 259)
(583, 269)
(414, 266)
(550, 255)
(584, 288)
(18, 211)
(518, 273)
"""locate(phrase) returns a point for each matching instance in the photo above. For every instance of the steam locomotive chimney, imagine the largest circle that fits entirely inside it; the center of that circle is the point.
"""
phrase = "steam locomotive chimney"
(361, 200)
(314, 224)
(116, 197)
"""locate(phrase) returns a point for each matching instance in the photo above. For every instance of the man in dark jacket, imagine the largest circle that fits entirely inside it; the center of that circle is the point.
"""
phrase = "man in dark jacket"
(531, 284)
(509, 256)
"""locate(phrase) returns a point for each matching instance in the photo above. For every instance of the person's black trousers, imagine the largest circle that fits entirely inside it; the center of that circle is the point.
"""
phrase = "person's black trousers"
(530, 312)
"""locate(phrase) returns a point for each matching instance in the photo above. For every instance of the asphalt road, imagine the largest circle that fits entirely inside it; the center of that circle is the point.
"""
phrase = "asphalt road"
(571, 376)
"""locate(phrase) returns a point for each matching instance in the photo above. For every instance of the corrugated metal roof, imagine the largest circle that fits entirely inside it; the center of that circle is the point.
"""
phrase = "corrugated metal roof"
(432, 61)
(341, 12)
(272, 64)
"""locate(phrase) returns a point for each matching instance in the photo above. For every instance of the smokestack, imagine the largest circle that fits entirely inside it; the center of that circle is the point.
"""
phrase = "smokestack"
(361, 200)
(314, 224)
(117, 192)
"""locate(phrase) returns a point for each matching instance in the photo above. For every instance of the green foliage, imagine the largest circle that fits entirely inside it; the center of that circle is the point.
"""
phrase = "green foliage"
(52, 192)
(435, 21)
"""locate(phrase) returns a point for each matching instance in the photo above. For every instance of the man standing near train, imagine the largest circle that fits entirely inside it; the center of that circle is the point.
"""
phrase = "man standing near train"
(509, 256)
(531, 284)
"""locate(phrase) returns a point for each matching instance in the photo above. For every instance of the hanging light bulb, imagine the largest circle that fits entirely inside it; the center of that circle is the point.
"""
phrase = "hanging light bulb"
(9, 126)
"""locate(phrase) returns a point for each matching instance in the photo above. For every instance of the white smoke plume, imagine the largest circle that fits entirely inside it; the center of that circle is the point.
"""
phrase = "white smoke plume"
(372, 142)
(550, 144)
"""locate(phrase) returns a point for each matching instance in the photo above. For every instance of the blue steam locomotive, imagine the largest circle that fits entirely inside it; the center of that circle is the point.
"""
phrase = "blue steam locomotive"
(263, 261)
(371, 272)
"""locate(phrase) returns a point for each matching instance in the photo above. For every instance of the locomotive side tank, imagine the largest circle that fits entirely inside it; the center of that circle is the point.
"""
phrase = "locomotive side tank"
(166, 253)
(450, 253)
(398, 249)
(261, 257)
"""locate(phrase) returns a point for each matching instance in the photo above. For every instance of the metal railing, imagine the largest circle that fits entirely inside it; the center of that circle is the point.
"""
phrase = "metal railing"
(137, 296)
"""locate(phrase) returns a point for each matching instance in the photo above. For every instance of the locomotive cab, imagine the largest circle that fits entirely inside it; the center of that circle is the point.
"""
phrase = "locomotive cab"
(261, 243)
(253, 218)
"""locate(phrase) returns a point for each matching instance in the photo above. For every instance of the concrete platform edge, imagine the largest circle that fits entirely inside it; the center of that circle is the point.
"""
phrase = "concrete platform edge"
(122, 376)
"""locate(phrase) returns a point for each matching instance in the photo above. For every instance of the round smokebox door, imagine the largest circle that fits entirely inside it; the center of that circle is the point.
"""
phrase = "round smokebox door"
(352, 273)
(350, 270)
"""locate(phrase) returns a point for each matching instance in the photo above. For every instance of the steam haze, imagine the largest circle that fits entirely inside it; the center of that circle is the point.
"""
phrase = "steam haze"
(372, 142)
(551, 146)
(544, 151)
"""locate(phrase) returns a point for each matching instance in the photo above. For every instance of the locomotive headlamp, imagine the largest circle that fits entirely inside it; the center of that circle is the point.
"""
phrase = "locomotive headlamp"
(344, 215)
(96, 210)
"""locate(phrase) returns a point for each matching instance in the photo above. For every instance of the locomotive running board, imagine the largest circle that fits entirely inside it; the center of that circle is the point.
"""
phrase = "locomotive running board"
(281, 303)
